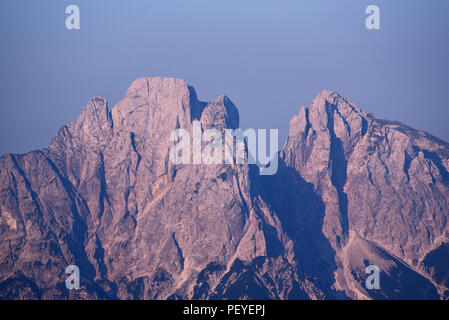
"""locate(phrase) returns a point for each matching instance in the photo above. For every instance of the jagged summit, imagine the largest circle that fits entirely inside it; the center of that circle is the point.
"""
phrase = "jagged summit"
(351, 190)
(320, 114)
(332, 97)
(326, 95)
(158, 83)
(377, 178)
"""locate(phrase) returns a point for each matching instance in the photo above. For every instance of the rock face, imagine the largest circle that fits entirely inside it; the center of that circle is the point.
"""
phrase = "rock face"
(384, 189)
(351, 190)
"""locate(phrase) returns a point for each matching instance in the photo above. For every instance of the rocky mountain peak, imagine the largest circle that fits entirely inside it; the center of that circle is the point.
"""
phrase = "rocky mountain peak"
(220, 113)
(95, 120)
(351, 190)
(162, 85)
(332, 113)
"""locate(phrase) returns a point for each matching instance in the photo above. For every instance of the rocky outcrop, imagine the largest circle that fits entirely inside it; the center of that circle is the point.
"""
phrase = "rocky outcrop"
(351, 190)
(380, 182)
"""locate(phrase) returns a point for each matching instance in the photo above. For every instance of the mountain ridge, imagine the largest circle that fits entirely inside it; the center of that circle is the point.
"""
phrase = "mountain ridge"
(104, 196)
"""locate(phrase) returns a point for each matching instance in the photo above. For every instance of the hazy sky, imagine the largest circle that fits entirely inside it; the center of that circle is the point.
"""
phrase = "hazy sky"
(269, 57)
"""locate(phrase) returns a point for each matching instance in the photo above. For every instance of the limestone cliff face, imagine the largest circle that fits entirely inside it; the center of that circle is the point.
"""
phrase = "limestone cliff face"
(384, 186)
(105, 196)
(351, 190)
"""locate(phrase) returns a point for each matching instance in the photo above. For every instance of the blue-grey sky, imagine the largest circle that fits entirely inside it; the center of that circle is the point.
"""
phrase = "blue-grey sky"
(269, 57)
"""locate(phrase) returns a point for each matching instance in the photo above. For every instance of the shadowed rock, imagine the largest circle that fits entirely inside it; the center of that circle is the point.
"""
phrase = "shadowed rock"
(104, 195)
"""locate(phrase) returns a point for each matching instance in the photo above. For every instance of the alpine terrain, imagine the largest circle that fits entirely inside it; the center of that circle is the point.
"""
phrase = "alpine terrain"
(351, 191)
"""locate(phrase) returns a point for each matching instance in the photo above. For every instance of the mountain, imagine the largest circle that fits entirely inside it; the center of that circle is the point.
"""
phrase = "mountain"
(378, 195)
(351, 191)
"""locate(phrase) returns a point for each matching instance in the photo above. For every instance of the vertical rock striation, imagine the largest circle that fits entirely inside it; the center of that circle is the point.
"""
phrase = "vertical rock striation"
(351, 190)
